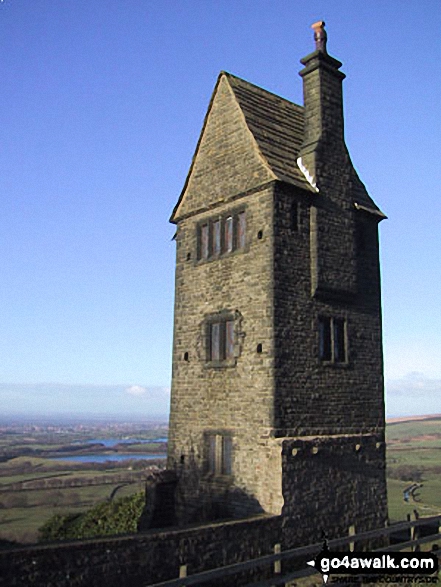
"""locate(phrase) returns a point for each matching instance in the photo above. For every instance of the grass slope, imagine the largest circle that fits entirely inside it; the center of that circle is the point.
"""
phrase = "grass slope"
(414, 454)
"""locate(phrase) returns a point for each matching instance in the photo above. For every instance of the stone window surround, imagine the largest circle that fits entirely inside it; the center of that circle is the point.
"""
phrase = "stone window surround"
(210, 224)
(219, 450)
(223, 316)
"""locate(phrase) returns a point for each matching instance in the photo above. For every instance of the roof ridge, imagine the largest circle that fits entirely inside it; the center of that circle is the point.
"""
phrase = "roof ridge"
(241, 79)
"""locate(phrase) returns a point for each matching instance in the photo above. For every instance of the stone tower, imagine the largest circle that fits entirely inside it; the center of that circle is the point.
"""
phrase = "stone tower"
(277, 393)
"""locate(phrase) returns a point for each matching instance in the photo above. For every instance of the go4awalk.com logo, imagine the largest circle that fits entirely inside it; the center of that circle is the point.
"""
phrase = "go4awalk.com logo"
(375, 563)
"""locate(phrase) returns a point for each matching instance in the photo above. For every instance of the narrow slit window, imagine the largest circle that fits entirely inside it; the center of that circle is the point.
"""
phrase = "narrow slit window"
(295, 216)
(241, 230)
(229, 339)
(212, 454)
(229, 234)
(361, 238)
(339, 341)
(227, 446)
(325, 347)
(204, 241)
(215, 341)
(216, 238)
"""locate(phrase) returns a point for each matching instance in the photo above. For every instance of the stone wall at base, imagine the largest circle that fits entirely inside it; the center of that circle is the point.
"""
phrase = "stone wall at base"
(142, 559)
(333, 486)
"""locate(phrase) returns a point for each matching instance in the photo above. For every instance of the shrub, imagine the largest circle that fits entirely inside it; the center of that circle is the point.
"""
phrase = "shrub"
(105, 519)
(406, 473)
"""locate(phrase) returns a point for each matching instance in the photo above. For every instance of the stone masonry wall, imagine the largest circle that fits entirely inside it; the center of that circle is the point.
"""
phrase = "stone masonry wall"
(140, 560)
(235, 398)
(313, 397)
(331, 484)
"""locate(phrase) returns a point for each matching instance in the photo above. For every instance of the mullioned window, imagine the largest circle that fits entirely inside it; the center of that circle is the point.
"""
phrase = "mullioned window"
(219, 457)
(221, 235)
(332, 339)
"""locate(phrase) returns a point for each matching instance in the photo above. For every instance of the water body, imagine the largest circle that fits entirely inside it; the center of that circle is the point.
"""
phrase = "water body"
(111, 442)
(111, 457)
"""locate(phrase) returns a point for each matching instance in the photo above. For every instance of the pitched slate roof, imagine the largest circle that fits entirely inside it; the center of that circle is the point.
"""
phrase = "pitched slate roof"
(277, 126)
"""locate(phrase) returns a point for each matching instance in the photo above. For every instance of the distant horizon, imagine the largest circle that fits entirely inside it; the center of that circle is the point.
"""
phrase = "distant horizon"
(72, 419)
(97, 402)
(53, 419)
(412, 395)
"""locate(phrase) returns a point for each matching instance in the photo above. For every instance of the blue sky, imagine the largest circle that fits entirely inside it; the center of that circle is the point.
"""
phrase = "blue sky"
(102, 103)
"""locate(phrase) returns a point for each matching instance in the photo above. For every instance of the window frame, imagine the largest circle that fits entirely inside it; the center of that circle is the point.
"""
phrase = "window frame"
(221, 235)
(216, 247)
(221, 339)
(219, 453)
(332, 340)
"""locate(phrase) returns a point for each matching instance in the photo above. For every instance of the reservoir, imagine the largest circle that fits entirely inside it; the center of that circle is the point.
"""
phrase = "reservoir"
(111, 442)
(102, 458)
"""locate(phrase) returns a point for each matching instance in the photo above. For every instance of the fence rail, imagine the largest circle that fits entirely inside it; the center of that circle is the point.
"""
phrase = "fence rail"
(302, 552)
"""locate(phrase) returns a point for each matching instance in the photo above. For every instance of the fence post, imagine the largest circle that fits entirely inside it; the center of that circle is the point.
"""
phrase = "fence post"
(277, 564)
(414, 531)
(351, 533)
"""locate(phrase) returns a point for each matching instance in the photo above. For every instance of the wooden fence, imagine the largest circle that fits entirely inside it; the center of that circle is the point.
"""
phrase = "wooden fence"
(274, 561)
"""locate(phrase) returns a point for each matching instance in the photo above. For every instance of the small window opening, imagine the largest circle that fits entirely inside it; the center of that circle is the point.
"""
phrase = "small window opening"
(216, 248)
(221, 339)
(227, 446)
(220, 451)
(204, 242)
(188, 256)
(260, 234)
(186, 356)
(241, 230)
(212, 454)
(332, 339)
(325, 352)
(259, 348)
(361, 238)
(229, 234)
(295, 216)
(339, 340)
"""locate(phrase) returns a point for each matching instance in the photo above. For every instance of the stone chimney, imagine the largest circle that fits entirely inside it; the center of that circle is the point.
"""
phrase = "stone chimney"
(323, 102)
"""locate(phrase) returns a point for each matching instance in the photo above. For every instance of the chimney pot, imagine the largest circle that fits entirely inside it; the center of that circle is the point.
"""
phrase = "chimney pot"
(320, 36)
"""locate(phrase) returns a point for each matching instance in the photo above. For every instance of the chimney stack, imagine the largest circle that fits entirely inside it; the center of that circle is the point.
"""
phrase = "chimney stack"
(323, 102)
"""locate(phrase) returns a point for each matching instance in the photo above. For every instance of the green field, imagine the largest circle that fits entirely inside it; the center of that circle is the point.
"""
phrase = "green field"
(33, 487)
(68, 489)
(21, 524)
(414, 455)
